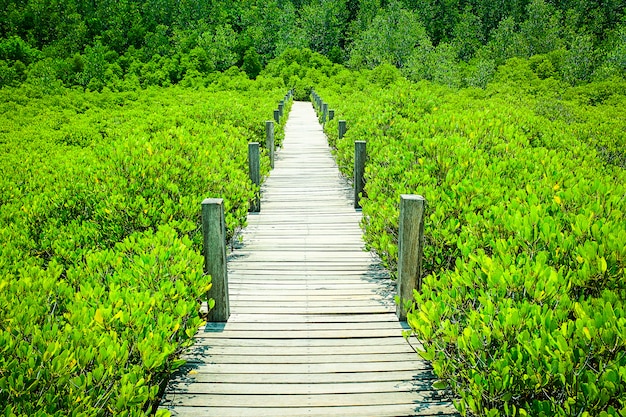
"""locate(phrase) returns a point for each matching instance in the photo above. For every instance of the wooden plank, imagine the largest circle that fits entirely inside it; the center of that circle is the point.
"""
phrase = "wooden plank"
(309, 368)
(393, 410)
(259, 318)
(330, 267)
(264, 327)
(299, 294)
(255, 360)
(278, 296)
(322, 400)
(308, 303)
(311, 282)
(250, 351)
(189, 374)
(192, 386)
(243, 308)
(272, 343)
(301, 334)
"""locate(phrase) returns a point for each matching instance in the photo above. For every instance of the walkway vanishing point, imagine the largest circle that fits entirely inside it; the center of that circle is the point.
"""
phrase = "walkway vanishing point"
(313, 330)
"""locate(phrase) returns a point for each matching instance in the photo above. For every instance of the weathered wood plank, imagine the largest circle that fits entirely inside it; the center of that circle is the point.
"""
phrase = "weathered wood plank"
(392, 410)
(297, 296)
(251, 351)
(309, 334)
(322, 400)
(193, 387)
(315, 310)
(328, 343)
(255, 360)
(281, 326)
(259, 318)
(188, 374)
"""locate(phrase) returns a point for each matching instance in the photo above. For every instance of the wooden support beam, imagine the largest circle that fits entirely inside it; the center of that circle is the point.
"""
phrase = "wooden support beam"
(214, 234)
(360, 156)
(254, 165)
(269, 141)
(410, 249)
(342, 128)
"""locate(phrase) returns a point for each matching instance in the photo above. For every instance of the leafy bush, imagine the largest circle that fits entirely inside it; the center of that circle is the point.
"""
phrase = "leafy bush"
(101, 276)
(522, 303)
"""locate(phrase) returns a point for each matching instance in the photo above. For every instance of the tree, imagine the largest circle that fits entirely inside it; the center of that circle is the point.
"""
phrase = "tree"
(541, 30)
(220, 46)
(251, 63)
(468, 35)
(393, 36)
(324, 23)
(94, 67)
(580, 61)
(615, 61)
(505, 42)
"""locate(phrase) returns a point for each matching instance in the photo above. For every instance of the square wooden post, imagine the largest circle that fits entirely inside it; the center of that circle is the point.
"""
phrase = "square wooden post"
(410, 249)
(360, 156)
(214, 234)
(254, 165)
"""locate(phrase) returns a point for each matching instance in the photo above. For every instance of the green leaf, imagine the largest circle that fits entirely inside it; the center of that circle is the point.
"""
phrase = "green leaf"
(440, 385)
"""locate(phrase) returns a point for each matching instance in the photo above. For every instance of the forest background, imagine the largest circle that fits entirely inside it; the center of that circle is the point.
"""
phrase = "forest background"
(128, 44)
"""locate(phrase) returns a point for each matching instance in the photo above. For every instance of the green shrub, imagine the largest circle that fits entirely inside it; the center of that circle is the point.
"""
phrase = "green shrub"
(522, 303)
(100, 273)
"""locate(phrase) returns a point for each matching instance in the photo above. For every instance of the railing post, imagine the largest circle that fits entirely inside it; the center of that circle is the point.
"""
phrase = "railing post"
(410, 249)
(360, 155)
(277, 116)
(254, 164)
(324, 112)
(331, 115)
(342, 128)
(214, 234)
(269, 140)
(281, 108)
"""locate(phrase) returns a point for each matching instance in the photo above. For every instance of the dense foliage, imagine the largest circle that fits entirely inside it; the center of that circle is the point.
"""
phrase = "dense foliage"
(118, 117)
(100, 273)
(522, 309)
(122, 44)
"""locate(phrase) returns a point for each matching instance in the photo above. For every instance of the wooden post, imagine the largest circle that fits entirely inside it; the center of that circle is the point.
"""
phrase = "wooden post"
(331, 115)
(324, 112)
(269, 140)
(342, 128)
(214, 233)
(277, 116)
(410, 249)
(360, 155)
(254, 164)
(281, 108)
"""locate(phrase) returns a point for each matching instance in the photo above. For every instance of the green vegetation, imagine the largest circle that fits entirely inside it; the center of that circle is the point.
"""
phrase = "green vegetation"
(522, 306)
(119, 117)
(100, 273)
(131, 43)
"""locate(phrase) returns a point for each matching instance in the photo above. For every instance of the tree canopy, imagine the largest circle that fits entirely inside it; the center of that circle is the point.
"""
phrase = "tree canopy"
(146, 42)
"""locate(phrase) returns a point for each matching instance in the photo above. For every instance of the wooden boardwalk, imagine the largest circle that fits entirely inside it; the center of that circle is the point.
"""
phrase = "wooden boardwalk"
(313, 329)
